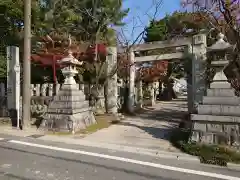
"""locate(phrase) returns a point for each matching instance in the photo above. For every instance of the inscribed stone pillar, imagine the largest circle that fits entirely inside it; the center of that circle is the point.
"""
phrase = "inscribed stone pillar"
(189, 61)
(198, 55)
(13, 84)
(111, 88)
(131, 82)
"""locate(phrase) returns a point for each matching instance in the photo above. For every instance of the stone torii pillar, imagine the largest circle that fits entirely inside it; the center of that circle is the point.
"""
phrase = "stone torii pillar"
(131, 83)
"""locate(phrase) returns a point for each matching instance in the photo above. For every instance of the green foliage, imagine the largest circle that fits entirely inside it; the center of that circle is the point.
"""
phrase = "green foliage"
(84, 20)
(210, 154)
(3, 67)
(173, 25)
(156, 31)
(12, 20)
(93, 72)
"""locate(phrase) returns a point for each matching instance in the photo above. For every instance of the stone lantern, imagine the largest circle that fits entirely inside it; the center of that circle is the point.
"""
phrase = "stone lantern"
(219, 51)
(69, 111)
(218, 117)
(69, 69)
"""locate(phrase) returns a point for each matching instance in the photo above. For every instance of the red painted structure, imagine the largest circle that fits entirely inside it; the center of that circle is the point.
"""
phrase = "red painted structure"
(49, 59)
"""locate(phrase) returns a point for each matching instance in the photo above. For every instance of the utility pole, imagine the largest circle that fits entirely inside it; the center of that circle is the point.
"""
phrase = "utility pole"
(26, 101)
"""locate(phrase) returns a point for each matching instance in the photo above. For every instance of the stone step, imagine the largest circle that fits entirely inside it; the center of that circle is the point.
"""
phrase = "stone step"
(220, 92)
(228, 110)
(220, 85)
(221, 100)
(215, 118)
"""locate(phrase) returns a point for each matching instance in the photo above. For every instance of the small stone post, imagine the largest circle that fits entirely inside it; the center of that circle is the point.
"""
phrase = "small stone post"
(58, 86)
(140, 94)
(32, 90)
(50, 89)
(81, 87)
(38, 89)
(152, 96)
(44, 89)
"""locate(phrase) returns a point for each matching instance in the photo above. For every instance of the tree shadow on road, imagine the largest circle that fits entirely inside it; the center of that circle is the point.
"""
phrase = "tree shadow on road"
(163, 132)
(165, 120)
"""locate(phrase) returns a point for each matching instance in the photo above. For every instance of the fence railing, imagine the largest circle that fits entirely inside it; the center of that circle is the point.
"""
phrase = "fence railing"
(45, 89)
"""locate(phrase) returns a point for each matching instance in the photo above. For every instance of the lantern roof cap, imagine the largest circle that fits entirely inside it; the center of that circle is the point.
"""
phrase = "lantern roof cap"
(70, 59)
(221, 44)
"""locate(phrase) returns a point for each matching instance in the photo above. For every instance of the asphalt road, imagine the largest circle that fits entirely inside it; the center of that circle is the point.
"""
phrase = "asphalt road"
(32, 159)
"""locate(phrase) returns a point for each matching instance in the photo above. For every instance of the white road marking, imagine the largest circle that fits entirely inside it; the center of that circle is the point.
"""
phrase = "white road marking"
(160, 166)
(1, 139)
(6, 165)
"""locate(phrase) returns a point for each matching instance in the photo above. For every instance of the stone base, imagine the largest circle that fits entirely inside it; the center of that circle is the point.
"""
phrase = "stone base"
(221, 100)
(220, 93)
(149, 102)
(214, 118)
(215, 138)
(218, 118)
(68, 123)
(68, 112)
(220, 85)
(224, 110)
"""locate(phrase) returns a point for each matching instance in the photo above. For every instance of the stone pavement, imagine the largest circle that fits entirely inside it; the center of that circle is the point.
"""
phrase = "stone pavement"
(9, 130)
(149, 130)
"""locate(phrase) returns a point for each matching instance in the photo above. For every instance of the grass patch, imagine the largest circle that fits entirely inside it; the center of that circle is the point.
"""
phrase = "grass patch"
(5, 121)
(209, 154)
(103, 121)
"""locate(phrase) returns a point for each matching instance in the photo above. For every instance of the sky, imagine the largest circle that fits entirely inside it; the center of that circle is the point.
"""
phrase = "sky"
(141, 11)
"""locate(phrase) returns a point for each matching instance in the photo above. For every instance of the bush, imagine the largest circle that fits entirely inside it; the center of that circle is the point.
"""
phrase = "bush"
(210, 154)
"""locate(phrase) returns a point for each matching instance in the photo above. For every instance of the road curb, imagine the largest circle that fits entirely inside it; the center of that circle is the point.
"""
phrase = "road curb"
(142, 151)
(124, 148)
(233, 166)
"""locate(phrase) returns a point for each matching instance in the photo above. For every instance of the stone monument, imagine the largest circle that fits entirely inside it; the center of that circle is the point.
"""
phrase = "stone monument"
(218, 118)
(13, 85)
(111, 94)
(69, 111)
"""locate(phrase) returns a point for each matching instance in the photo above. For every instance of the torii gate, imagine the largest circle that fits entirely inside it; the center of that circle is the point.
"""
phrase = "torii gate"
(194, 48)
